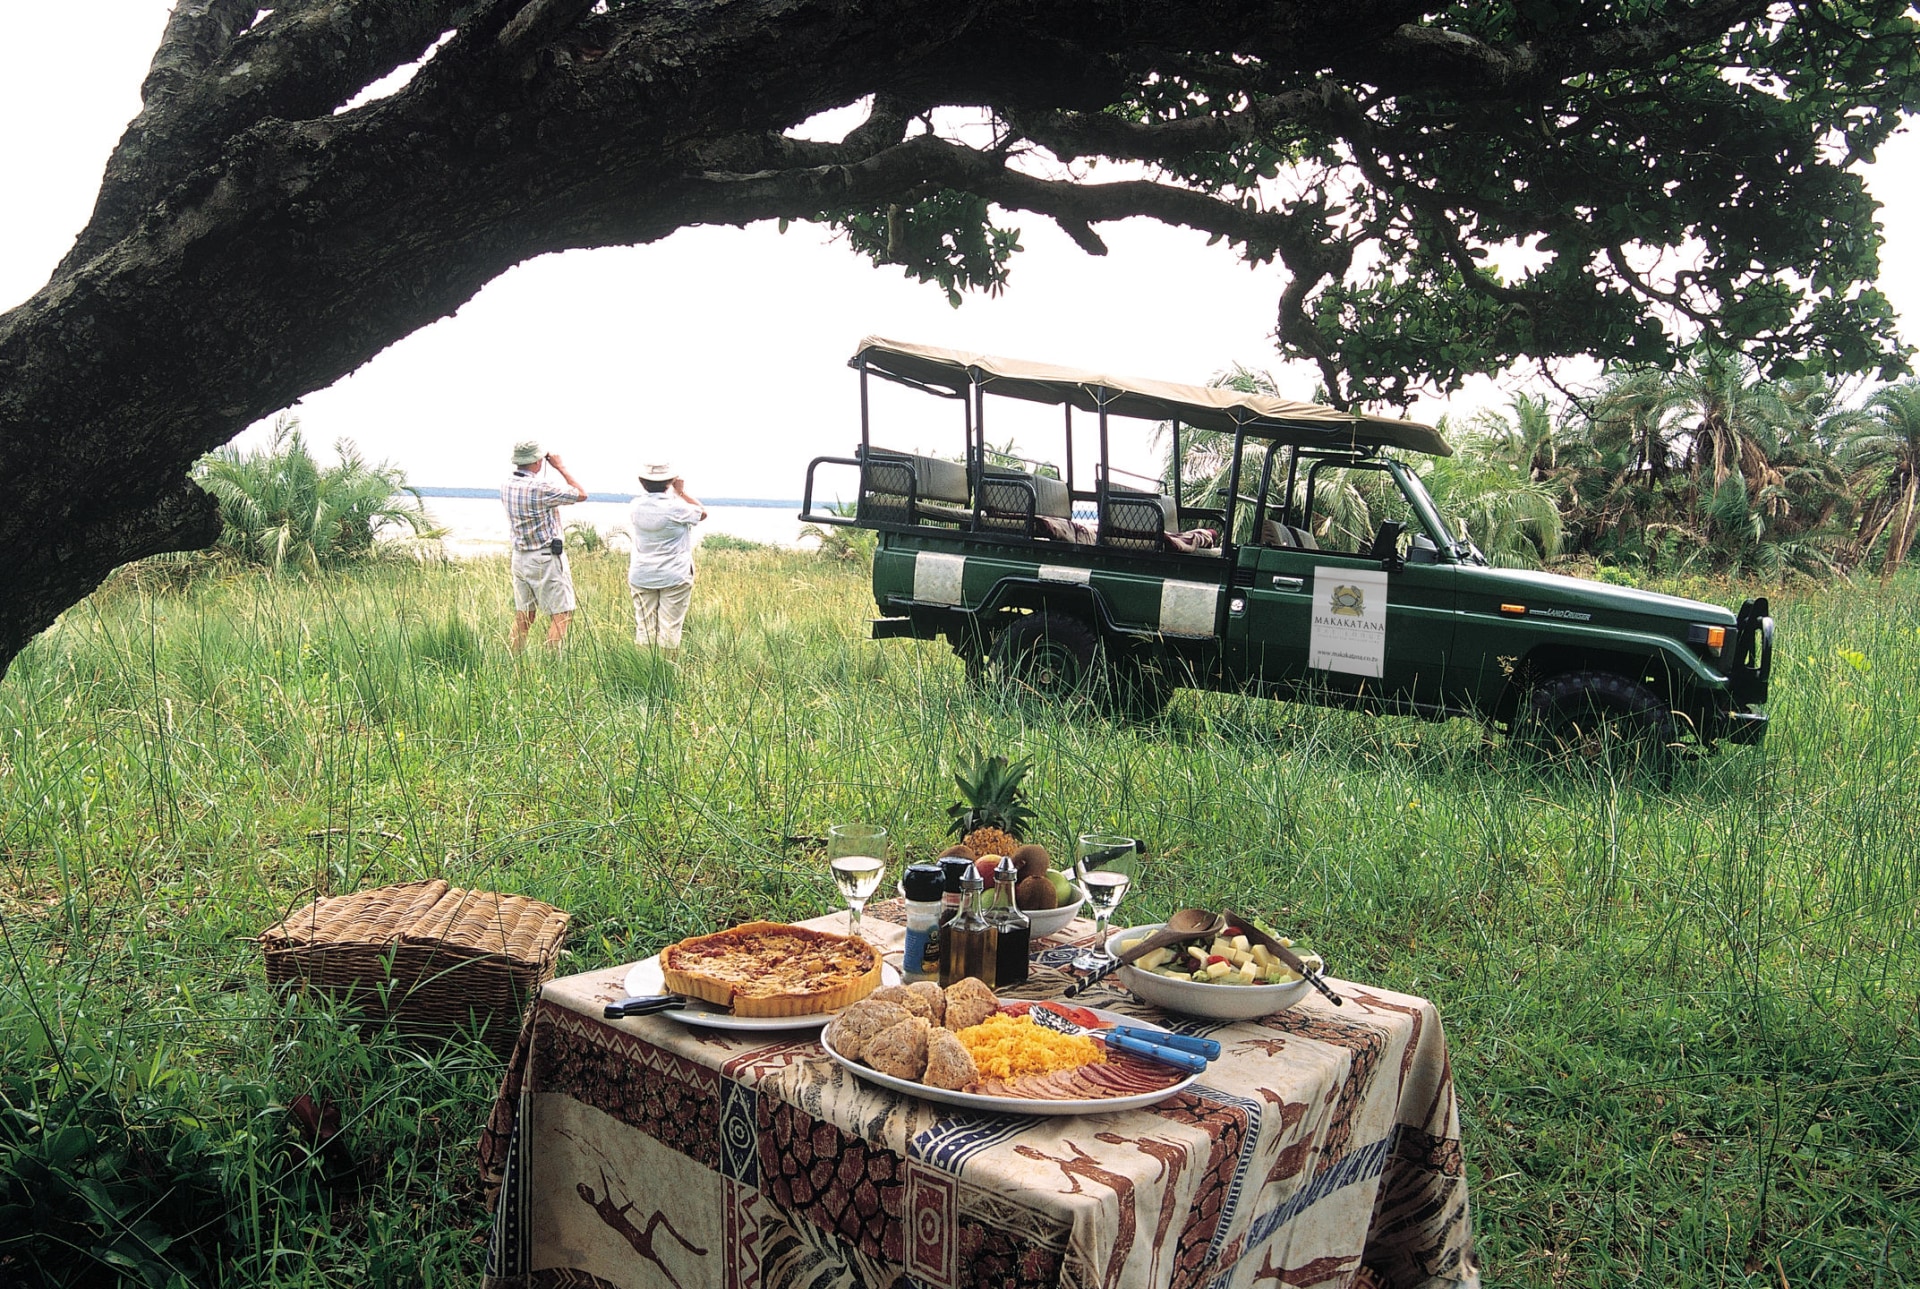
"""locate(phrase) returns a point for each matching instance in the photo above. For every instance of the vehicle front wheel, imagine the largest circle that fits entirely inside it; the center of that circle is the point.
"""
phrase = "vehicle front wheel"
(1594, 717)
(1053, 655)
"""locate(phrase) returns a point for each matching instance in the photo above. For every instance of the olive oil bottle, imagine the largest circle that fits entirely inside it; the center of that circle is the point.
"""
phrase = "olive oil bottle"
(968, 944)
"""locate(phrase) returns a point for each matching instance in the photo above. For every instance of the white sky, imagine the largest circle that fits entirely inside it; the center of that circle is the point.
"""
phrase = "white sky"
(613, 356)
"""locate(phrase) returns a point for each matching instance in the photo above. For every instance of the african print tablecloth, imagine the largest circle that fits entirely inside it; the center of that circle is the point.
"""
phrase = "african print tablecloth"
(641, 1153)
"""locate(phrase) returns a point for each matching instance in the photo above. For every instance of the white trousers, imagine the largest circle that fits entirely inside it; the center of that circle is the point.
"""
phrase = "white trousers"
(659, 614)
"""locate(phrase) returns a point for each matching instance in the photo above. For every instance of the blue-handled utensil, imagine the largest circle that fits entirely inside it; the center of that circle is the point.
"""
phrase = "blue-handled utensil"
(1053, 1020)
(1178, 1042)
(645, 1005)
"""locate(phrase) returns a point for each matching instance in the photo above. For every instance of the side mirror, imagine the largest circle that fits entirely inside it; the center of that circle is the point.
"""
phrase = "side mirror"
(1386, 545)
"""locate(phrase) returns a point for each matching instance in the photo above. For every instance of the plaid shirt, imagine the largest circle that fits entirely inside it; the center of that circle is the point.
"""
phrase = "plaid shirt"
(533, 505)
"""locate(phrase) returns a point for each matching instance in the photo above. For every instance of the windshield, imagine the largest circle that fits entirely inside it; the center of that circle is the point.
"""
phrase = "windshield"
(1449, 534)
(1345, 501)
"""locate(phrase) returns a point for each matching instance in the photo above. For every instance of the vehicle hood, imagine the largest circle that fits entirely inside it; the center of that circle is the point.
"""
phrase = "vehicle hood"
(1607, 602)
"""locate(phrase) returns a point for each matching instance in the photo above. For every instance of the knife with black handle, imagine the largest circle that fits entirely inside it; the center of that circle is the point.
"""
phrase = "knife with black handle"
(645, 1005)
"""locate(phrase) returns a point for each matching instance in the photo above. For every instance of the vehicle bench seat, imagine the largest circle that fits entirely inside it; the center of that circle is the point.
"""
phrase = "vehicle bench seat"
(1005, 494)
(939, 488)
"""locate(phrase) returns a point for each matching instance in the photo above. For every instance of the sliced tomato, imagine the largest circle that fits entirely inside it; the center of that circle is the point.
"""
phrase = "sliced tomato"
(1014, 1009)
(1217, 957)
(1078, 1015)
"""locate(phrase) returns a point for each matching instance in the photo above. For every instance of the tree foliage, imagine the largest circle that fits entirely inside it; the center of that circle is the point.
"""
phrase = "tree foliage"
(1447, 189)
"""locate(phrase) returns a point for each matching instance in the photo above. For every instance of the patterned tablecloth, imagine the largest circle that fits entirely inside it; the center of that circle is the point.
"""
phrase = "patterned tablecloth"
(646, 1152)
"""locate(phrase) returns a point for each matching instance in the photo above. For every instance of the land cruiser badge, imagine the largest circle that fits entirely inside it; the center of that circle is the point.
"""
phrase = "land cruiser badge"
(1349, 629)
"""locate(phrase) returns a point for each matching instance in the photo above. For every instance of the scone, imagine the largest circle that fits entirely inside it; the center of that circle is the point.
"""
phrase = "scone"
(853, 1028)
(907, 998)
(900, 1049)
(936, 999)
(949, 1064)
(968, 1003)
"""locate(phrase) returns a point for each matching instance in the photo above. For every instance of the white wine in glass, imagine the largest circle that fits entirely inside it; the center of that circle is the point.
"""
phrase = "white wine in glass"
(857, 856)
(1104, 863)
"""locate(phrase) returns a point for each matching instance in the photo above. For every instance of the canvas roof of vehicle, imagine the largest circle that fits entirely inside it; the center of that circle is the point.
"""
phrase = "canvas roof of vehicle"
(1262, 415)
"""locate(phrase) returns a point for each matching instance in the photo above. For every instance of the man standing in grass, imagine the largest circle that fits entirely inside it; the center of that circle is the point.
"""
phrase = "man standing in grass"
(661, 572)
(542, 583)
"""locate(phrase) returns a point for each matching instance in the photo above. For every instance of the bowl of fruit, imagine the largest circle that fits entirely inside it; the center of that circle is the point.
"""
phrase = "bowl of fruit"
(1230, 978)
(1049, 897)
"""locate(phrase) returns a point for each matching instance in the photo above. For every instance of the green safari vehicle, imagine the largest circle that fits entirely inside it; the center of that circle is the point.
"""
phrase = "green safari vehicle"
(1073, 576)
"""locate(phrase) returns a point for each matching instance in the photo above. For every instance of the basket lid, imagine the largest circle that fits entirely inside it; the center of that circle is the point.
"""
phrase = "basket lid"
(427, 912)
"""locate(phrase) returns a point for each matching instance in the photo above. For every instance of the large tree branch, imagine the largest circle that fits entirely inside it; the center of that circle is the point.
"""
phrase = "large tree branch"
(1423, 56)
(212, 81)
(1074, 135)
(197, 34)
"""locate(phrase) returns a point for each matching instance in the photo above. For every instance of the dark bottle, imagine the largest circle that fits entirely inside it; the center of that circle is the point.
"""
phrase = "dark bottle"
(967, 942)
(1013, 932)
(952, 867)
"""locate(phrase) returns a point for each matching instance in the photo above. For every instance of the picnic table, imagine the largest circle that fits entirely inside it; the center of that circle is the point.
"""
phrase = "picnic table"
(647, 1152)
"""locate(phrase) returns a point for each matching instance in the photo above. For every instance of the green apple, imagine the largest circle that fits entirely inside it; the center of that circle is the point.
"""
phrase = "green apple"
(1063, 891)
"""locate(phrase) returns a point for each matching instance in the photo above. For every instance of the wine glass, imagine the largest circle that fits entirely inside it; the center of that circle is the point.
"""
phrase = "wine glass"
(857, 854)
(1103, 863)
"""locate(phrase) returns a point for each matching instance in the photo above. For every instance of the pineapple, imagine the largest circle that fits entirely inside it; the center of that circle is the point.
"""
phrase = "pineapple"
(993, 816)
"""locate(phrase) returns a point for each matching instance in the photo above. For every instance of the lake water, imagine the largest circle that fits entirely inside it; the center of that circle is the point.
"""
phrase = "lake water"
(477, 526)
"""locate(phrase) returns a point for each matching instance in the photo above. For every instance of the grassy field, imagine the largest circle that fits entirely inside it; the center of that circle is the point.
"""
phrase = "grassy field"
(1683, 1019)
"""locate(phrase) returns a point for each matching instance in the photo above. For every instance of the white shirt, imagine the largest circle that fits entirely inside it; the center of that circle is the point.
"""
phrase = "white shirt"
(662, 527)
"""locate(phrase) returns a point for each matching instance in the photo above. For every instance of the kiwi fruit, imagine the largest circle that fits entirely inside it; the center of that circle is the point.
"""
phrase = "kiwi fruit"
(1032, 859)
(1035, 894)
(957, 851)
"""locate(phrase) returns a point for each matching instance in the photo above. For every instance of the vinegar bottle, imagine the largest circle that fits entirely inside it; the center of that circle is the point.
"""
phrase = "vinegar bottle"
(1013, 931)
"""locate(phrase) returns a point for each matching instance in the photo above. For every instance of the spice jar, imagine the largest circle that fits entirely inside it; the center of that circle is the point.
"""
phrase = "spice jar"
(924, 885)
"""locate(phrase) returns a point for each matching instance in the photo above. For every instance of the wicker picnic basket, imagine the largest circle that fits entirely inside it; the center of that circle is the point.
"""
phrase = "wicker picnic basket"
(435, 959)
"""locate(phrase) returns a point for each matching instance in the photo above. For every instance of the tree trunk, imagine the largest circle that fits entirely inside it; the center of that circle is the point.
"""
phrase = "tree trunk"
(1905, 531)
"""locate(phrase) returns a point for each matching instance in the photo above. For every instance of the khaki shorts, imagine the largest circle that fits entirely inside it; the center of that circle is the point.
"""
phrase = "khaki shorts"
(541, 581)
(659, 615)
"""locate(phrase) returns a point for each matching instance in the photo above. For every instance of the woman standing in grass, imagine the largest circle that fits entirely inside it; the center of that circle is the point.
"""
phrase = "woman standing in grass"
(661, 572)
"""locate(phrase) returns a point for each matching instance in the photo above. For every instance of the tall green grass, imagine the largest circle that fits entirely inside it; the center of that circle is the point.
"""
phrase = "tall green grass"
(1682, 1018)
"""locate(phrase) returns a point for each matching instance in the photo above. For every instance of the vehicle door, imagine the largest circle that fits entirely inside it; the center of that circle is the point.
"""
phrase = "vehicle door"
(1283, 584)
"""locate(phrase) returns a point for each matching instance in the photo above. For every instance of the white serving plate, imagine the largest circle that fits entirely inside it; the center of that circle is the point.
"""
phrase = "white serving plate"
(646, 978)
(1215, 1002)
(1016, 1105)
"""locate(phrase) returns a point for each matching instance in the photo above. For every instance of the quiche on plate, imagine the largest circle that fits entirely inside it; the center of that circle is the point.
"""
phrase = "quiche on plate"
(772, 969)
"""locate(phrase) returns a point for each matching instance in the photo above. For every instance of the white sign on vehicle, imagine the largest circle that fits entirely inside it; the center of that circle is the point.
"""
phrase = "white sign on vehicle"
(937, 577)
(1349, 621)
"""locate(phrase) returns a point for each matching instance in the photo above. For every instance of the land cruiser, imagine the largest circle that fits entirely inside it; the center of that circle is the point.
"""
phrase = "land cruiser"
(1125, 586)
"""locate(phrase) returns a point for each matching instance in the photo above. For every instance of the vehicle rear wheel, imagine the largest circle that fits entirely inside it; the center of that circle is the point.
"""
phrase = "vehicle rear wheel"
(1053, 655)
(1594, 717)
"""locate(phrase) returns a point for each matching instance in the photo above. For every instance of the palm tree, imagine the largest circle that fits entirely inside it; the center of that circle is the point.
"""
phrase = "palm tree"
(1528, 438)
(1710, 463)
(279, 506)
(1486, 489)
(1883, 453)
